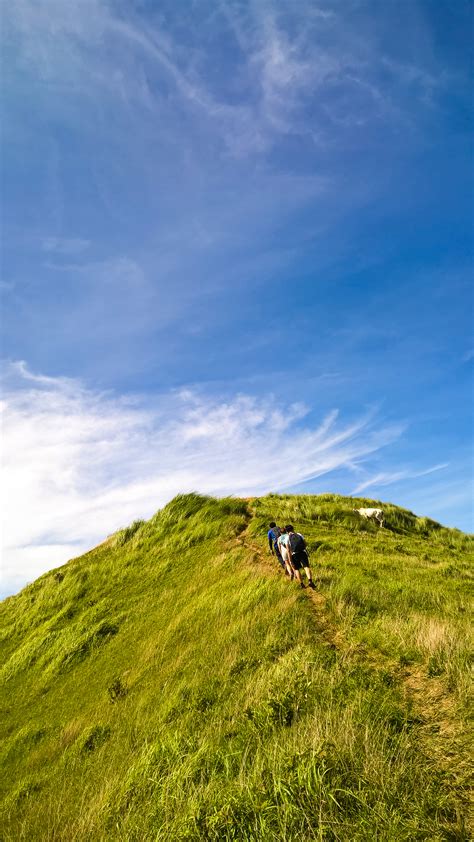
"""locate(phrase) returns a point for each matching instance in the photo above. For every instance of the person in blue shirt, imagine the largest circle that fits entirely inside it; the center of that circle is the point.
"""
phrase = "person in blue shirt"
(273, 535)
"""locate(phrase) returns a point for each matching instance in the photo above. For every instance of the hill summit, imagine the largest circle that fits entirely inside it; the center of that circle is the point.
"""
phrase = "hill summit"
(172, 684)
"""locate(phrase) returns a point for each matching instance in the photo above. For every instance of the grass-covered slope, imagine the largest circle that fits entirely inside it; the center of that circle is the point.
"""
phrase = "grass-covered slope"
(172, 684)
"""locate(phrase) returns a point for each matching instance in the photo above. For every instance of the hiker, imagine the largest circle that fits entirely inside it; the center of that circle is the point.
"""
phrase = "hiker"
(273, 535)
(295, 545)
(285, 554)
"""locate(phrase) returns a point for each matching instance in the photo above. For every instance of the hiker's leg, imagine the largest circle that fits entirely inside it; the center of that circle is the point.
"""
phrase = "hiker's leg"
(280, 560)
(297, 575)
(296, 565)
(307, 570)
(286, 563)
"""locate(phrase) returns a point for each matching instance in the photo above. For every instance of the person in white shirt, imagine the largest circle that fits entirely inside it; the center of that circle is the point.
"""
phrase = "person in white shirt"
(285, 554)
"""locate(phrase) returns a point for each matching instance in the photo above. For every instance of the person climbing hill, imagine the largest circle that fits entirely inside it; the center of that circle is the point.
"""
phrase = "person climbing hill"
(273, 535)
(295, 545)
(285, 554)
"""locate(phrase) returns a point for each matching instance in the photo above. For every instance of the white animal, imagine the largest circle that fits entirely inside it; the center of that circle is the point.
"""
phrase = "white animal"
(376, 514)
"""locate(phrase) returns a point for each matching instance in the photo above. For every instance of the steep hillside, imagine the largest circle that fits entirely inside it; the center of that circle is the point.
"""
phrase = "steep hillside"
(171, 684)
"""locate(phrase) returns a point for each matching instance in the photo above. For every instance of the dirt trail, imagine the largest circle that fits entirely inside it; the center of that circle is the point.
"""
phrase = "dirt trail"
(269, 566)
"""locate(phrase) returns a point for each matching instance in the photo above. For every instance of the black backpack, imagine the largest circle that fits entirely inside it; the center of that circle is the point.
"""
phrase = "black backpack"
(297, 543)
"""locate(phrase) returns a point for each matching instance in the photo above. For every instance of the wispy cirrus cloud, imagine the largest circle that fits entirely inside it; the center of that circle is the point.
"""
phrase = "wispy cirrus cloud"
(128, 82)
(78, 464)
(295, 69)
(391, 477)
(67, 246)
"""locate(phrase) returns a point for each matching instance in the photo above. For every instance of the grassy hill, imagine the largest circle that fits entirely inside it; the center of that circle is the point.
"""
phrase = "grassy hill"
(171, 684)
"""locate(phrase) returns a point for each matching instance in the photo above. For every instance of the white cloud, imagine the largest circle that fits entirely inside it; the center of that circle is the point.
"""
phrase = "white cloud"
(78, 464)
(130, 81)
(388, 478)
(67, 246)
(299, 69)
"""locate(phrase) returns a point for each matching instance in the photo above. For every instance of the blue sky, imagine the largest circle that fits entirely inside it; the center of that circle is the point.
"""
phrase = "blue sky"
(237, 258)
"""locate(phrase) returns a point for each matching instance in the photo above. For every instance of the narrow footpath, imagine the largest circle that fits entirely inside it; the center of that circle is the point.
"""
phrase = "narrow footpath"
(428, 698)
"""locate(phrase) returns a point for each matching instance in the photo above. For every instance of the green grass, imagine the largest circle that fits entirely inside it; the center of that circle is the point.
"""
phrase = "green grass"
(172, 685)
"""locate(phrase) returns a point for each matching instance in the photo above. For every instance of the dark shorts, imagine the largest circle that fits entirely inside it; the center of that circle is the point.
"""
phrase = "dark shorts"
(300, 559)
